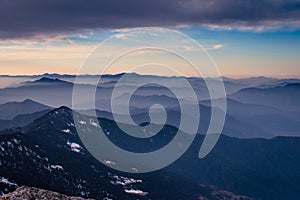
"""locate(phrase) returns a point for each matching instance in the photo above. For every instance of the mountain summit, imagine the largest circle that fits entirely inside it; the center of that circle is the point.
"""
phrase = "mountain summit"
(49, 80)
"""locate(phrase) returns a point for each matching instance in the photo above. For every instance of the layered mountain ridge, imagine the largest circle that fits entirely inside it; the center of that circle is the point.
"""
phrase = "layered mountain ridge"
(49, 154)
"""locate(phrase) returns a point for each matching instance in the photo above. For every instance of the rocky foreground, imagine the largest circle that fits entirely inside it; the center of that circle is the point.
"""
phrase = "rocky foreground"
(31, 193)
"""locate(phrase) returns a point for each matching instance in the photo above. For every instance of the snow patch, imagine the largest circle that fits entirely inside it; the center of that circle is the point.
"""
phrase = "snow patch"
(58, 167)
(107, 198)
(129, 184)
(108, 162)
(7, 182)
(66, 131)
(134, 169)
(121, 180)
(74, 147)
(16, 141)
(137, 192)
(93, 123)
(9, 144)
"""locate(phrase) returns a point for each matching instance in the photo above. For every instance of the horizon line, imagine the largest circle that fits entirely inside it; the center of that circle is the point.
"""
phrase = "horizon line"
(232, 76)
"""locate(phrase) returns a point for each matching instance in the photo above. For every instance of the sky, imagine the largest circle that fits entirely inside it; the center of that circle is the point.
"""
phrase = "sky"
(243, 37)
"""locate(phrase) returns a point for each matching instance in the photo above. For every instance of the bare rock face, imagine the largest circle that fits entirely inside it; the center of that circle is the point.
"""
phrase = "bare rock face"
(31, 193)
(217, 194)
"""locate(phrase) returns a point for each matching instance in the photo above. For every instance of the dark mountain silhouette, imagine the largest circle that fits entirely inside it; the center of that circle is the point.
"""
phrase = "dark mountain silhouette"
(57, 89)
(21, 120)
(12, 109)
(48, 80)
(48, 154)
(234, 126)
(279, 82)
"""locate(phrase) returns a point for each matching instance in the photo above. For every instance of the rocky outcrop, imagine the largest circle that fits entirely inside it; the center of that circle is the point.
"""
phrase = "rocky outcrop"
(31, 193)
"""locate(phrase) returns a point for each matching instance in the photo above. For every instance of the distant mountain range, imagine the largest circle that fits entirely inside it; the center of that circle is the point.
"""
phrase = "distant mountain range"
(12, 109)
(256, 157)
(34, 84)
(252, 112)
(270, 120)
(45, 80)
(49, 154)
(21, 120)
(234, 126)
(285, 97)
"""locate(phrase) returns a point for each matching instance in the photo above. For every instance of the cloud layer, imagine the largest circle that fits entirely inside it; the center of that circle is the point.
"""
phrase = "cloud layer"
(34, 18)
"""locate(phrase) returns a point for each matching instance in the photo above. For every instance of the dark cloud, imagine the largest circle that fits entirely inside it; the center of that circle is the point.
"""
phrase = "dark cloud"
(30, 18)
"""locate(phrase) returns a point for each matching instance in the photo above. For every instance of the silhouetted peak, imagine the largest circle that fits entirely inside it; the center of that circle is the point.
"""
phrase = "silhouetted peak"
(63, 110)
(48, 80)
(292, 85)
(28, 101)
